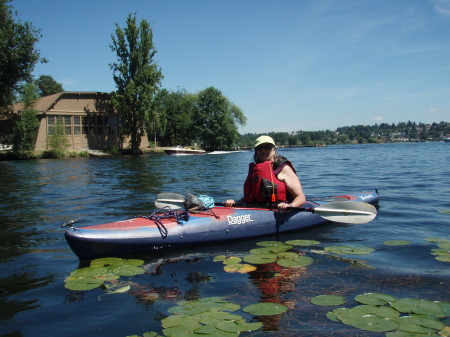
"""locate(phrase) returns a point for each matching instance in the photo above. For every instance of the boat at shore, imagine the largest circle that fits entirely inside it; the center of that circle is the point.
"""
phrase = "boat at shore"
(169, 228)
(179, 150)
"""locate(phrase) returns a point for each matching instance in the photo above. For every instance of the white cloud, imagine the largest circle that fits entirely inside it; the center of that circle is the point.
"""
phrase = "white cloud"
(442, 6)
(378, 119)
(435, 110)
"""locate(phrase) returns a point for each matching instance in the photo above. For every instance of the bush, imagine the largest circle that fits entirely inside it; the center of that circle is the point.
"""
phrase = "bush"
(54, 153)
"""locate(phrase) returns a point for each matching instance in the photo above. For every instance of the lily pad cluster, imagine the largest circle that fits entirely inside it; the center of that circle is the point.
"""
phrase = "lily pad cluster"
(268, 252)
(275, 251)
(101, 271)
(442, 253)
(213, 316)
(407, 317)
(233, 264)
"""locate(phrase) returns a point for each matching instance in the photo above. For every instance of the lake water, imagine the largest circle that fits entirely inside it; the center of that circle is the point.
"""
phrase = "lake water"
(38, 196)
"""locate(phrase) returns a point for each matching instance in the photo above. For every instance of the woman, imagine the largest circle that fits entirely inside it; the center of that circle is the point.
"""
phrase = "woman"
(271, 179)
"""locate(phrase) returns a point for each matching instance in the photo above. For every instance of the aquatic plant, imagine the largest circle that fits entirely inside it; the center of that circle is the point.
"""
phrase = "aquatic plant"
(385, 313)
(396, 242)
(101, 271)
(212, 316)
(442, 253)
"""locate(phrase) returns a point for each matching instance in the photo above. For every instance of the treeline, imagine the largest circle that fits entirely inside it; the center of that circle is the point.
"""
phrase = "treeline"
(378, 133)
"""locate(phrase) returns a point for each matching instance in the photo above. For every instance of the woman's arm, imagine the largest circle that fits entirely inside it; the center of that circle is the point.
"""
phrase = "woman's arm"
(293, 186)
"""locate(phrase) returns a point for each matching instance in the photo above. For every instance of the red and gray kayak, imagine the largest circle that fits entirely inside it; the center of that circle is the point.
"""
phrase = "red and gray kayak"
(169, 228)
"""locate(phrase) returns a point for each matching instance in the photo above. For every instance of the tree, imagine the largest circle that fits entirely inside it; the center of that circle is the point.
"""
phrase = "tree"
(25, 124)
(177, 108)
(137, 78)
(57, 140)
(48, 86)
(215, 118)
(17, 54)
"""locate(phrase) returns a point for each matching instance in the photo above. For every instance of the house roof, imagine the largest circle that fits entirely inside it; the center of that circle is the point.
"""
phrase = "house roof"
(44, 104)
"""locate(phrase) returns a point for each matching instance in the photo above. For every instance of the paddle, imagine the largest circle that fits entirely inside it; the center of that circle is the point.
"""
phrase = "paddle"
(339, 211)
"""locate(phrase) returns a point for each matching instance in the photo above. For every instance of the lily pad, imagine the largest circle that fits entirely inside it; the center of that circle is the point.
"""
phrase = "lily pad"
(107, 261)
(396, 242)
(375, 298)
(260, 258)
(239, 268)
(444, 245)
(238, 326)
(185, 330)
(303, 243)
(210, 317)
(417, 306)
(265, 309)
(270, 243)
(349, 250)
(374, 323)
(300, 261)
(443, 257)
(232, 260)
(211, 330)
(419, 324)
(128, 270)
(219, 258)
(178, 320)
(382, 311)
(203, 305)
(89, 272)
(328, 300)
(83, 283)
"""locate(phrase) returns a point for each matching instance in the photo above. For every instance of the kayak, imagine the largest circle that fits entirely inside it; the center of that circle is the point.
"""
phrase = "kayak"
(168, 228)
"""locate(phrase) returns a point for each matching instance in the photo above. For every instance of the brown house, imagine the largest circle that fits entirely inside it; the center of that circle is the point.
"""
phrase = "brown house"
(89, 120)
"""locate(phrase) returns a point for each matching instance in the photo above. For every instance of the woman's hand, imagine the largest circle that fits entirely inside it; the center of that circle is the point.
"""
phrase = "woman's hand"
(229, 203)
(283, 206)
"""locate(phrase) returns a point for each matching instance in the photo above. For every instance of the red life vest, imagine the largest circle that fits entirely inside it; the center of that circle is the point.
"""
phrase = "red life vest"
(262, 182)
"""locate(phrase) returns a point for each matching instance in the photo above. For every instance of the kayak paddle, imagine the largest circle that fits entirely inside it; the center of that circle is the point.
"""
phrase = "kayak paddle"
(352, 212)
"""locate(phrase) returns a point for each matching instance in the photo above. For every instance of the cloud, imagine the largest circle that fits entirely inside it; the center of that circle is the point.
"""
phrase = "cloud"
(378, 119)
(435, 110)
(442, 6)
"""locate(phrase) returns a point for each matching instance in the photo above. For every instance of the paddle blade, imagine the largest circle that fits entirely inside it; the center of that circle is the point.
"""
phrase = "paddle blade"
(160, 204)
(172, 200)
(173, 197)
(347, 211)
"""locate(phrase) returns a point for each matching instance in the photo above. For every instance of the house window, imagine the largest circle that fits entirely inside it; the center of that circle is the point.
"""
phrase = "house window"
(77, 130)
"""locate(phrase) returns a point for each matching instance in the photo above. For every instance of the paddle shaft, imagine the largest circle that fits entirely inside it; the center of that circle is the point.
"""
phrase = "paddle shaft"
(272, 207)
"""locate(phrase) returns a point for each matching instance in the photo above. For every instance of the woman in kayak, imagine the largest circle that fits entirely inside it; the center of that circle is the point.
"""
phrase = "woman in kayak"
(271, 179)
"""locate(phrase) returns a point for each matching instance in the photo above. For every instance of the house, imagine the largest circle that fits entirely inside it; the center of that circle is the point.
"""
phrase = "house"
(89, 119)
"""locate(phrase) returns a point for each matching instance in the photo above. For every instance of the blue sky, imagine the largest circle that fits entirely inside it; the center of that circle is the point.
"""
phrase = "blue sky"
(290, 65)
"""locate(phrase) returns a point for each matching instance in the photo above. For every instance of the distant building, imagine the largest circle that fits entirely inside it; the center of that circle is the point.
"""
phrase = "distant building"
(89, 120)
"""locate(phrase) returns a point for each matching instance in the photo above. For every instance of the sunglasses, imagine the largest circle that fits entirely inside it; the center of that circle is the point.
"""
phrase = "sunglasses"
(265, 147)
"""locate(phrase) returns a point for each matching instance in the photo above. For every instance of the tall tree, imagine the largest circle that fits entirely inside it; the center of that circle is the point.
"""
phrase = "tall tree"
(178, 107)
(25, 124)
(17, 54)
(215, 119)
(48, 86)
(137, 78)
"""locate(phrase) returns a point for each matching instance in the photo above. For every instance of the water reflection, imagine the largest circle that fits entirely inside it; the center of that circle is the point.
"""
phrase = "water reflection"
(11, 289)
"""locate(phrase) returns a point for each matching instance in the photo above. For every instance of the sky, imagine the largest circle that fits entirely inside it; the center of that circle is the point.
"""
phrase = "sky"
(290, 65)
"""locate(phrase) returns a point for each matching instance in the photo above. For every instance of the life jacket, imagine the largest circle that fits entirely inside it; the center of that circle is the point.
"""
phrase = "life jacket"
(262, 184)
